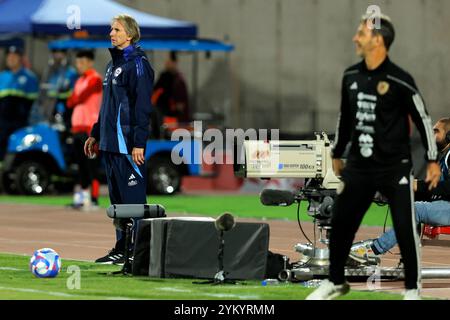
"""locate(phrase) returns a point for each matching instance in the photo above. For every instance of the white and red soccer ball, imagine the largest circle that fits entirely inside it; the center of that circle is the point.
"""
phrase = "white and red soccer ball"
(45, 263)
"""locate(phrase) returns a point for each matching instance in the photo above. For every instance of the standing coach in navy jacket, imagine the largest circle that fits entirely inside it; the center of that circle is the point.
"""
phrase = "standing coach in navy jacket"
(122, 127)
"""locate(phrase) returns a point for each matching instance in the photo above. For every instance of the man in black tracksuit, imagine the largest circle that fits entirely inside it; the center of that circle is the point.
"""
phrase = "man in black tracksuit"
(122, 129)
(378, 101)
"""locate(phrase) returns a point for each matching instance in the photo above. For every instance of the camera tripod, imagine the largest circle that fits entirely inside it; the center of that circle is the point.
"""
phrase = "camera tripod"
(127, 267)
(314, 261)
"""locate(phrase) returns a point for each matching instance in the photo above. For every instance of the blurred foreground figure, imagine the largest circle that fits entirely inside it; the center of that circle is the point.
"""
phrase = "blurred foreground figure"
(378, 99)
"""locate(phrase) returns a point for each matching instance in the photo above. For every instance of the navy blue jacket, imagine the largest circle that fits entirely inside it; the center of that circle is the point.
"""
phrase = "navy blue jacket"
(123, 122)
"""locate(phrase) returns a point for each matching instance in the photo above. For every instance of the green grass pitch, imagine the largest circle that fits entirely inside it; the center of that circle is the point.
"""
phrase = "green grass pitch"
(242, 206)
(17, 282)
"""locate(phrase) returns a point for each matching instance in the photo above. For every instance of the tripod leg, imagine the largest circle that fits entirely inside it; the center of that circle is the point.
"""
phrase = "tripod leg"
(219, 277)
(126, 269)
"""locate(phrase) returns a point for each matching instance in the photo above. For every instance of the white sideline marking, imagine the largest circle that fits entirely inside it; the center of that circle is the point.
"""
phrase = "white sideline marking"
(62, 294)
(174, 289)
(51, 293)
(11, 269)
(228, 295)
(247, 287)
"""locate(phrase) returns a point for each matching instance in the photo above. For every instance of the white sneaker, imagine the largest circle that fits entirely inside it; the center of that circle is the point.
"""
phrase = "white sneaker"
(328, 291)
(77, 199)
(412, 294)
(362, 252)
(87, 203)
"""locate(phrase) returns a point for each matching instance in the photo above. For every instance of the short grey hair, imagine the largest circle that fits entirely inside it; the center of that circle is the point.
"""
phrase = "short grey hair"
(130, 25)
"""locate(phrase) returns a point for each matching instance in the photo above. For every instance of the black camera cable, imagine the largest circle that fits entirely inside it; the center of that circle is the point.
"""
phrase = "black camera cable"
(300, 224)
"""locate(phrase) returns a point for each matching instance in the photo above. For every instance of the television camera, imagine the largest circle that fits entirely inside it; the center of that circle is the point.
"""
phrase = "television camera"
(310, 160)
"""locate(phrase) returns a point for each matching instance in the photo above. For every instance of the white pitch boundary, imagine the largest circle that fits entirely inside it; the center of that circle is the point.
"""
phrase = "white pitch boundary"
(174, 289)
(68, 295)
(51, 293)
(63, 294)
(229, 295)
(11, 269)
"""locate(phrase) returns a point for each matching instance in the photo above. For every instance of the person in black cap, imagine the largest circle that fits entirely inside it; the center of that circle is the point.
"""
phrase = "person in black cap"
(18, 90)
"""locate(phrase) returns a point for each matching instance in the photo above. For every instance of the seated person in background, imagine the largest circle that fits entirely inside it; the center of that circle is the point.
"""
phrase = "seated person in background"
(170, 95)
(432, 209)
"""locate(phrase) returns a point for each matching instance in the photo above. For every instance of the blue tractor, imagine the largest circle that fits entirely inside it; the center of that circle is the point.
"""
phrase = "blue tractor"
(39, 158)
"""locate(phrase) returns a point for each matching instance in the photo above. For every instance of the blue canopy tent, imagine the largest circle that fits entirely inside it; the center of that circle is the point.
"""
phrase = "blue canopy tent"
(18, 42)
(62, 17)
(15, 16)
(188, 45)
(147, 44)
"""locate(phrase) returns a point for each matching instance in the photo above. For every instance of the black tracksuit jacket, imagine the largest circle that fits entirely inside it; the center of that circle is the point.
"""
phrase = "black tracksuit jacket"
(376, 109)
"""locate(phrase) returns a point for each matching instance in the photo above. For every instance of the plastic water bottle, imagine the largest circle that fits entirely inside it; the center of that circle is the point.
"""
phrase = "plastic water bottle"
(314, 283)
(270, 282)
